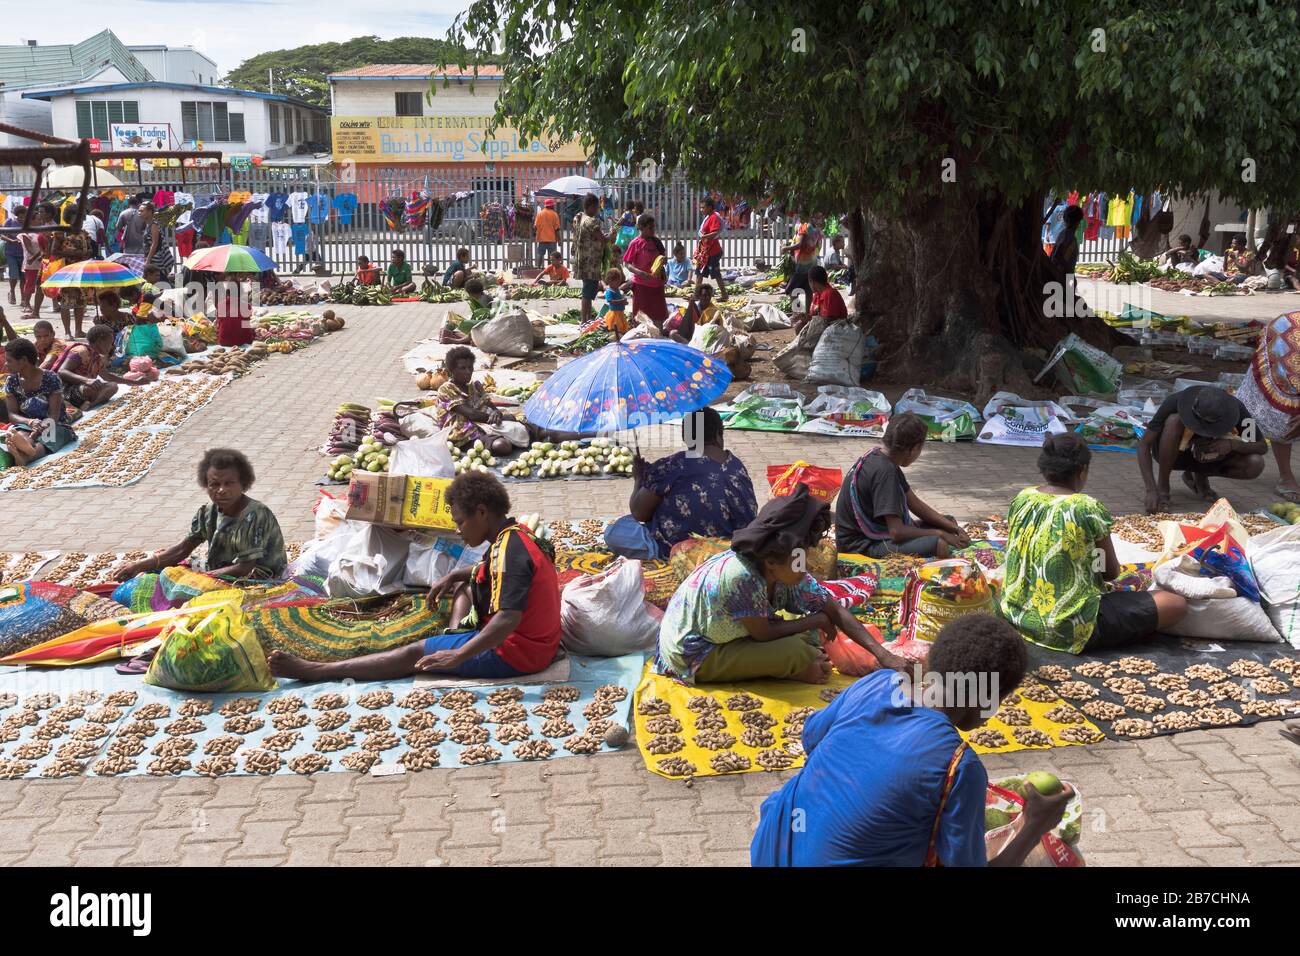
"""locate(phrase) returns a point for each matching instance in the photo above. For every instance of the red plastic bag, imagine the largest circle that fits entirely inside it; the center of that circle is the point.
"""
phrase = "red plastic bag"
(823, 483)
(850, 658)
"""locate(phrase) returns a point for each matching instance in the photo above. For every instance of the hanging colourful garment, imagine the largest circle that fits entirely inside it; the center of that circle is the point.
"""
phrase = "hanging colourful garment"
(1092, 216)
(416, 209)
(393, 209)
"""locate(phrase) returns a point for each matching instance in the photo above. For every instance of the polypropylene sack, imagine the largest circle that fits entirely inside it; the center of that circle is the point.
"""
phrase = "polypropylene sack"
(422, 458)
(823, 483)
(934, 406)
(1275, 560)
(1083, 369)
(213, 650)
(372, 561)
(507, 334)
(605, 614)
(837, 358)
(939, 592)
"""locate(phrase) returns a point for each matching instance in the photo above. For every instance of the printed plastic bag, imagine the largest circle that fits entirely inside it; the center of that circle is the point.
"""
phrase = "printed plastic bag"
(934, 407)
(851, 658)
(938, 593)
(849, 404)
(823, 483)
(605, 614)
(1112, 425)
(837, 358)
(1005, 800)
(1020, 427)
(509, 333)
(1275, 562)
(765, 390)
(775, 414)
(1083, 369)
(1218, 543)
(330, 511)
(429, 560)
(214, 651)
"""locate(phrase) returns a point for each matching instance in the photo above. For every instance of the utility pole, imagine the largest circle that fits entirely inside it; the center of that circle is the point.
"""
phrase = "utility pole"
(270, 80)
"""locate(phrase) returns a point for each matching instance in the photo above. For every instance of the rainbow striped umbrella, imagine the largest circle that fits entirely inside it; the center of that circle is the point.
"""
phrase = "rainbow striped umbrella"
(229, 258)
(92, 273)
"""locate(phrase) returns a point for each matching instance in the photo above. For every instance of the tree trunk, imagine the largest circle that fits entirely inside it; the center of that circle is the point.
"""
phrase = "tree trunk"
(1276, 246)
(963, 298)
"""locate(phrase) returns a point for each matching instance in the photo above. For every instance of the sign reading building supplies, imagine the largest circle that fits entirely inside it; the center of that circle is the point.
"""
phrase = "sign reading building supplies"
(141, 137)
(400, 501)
(441, 139)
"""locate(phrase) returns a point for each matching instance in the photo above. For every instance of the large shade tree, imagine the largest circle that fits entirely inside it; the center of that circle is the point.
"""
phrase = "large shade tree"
(936, 126)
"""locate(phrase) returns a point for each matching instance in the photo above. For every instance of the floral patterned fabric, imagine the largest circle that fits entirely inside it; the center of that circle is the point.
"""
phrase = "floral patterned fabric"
(448, 397)
(700, 497)
(707, 608)
(1052, 591)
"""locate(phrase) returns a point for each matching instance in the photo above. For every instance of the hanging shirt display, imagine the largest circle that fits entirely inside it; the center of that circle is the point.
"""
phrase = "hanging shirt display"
(345, 204)
(298, 203)
(318, 207)
(280, 233)
(277, 203)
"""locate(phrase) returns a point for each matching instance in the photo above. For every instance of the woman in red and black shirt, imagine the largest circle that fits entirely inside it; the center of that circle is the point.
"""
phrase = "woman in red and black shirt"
(505, 610)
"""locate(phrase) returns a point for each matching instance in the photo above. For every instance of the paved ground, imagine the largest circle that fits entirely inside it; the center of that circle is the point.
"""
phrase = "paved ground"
(1215, 308)
(1220, 797)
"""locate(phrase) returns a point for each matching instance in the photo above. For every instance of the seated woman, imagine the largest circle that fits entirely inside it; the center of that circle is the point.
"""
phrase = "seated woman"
(242, 535)
(877, 511)
(48, 348)
(462, 404)
(458, 270)
(367, 274)
(699, 310)
(511, 600)
(83, 368)
(1055, 537)
(704, 490)
(111, 313)
(888, 780)
(36, 412)
(722, 625)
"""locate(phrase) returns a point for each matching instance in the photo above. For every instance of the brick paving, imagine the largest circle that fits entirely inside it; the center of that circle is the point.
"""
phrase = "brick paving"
(1198, 799)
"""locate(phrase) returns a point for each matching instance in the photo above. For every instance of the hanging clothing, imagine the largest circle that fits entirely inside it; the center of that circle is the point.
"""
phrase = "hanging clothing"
(277, 203)
(1092, 216)
(299, 232)
(345, 204)
(318, 207)
(280, 234)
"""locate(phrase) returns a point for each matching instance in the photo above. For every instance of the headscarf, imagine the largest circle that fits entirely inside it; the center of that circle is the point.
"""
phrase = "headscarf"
(782, 524)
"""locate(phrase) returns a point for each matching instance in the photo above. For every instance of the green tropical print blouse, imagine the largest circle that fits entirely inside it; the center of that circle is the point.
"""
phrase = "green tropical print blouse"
(1053, 581)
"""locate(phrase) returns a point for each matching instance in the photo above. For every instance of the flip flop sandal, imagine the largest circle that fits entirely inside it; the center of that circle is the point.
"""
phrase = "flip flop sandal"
(134, 667)
(1291, 496)
(1290, 735)
(1205, 494)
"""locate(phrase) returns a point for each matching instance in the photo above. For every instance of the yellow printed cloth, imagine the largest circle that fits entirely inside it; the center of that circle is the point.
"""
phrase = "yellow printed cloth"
(1039, 721)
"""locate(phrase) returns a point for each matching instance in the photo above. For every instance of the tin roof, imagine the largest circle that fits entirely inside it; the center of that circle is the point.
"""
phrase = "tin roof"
(416, 71)
(26, 66)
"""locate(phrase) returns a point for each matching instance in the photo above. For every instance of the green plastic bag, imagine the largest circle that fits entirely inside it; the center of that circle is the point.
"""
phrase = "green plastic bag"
(212, 650)
(958, 428)
(144, 340)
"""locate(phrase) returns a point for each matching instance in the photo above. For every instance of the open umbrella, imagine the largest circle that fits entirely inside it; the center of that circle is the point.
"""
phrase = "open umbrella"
(72, 177)
(229, 258)
(131, 261)
(92, 273)
(571, 186)
(625, 385)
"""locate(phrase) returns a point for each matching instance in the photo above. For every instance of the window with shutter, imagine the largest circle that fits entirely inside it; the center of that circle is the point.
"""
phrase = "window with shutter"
(130, 111)
(189, 121)
(237, 128)
(275, 123)
(205, 121)
(85, 125)
(99, 110)
(220, 123)
(409, 104)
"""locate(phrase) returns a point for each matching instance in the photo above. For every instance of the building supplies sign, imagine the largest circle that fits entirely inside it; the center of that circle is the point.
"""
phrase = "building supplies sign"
(141, 136)
(441, 139)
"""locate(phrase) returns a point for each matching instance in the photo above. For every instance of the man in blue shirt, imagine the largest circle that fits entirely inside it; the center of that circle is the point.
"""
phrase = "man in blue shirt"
(889, 781)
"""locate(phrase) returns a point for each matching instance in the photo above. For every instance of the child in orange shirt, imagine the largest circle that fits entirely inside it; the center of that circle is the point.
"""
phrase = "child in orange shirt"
(555, 273)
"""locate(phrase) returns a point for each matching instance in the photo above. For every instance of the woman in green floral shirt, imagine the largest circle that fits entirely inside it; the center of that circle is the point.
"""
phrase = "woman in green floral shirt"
(1059, 554)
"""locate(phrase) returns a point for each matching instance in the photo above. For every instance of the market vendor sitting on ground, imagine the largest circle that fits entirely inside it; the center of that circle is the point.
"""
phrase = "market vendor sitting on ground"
(878, 513)
(888, 780)
(699, 310)
(826, 300)
(555, 273)
(34, 405)
(463, 405)
(1203, 432)
(679, 267)
(704, 490)
(722, 623)
(1183, 253)
(458, 270)
(242, 535)
(111, 312)
(479, 300)
(367, 272)
(1059, 553)
(83, 367)
(48, 348)
(398, 279)
(505, 609)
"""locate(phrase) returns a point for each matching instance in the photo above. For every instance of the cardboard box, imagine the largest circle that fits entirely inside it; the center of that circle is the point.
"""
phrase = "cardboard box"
(424, 504)
(376, 498)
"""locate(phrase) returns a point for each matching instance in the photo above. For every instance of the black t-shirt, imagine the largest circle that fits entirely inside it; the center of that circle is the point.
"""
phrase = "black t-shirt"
(1170, 407)
(881, 490)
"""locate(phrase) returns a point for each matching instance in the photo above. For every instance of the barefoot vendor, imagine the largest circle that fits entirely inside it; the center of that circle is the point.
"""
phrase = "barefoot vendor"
(463, 405)
(889, 781)
(722, 624)
(242, 535)
(1198, 431)
(83, 368)
(36, 412)
(511, 602)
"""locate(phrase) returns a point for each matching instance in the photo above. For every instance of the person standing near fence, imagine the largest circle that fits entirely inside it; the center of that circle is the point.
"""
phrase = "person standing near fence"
(708, 255)
(546, 228)
(589, 252)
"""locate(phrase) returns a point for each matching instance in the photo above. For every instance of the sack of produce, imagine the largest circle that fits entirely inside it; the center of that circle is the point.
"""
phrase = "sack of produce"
(935, 408)
(1274, 560)
(939, 592)
(1004, 804)
(1083, 369)
(1218, 543)
(837, 358)
(605, 614)
(823, 483)
(213, 650)
(510, 333)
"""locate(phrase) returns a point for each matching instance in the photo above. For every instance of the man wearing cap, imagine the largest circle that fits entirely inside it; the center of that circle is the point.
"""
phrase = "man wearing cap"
(1201, 431)
(546, 227)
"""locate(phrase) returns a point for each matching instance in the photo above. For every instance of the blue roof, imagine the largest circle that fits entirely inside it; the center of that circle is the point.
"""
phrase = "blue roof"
(156, 85)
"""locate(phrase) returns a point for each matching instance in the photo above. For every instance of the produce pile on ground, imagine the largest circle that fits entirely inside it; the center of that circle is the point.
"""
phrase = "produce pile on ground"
(292, 297)
(350, 424)
(1129, 268)
(433, 292)
(1287, 511)
(588, 342)
(1137, 529)
(549, 460)
(373, 450)
(350, 293)
(474, 458)
(520, 393)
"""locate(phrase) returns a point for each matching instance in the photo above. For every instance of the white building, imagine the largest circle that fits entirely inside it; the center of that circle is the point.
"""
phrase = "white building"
(177, 64)
(236, 122)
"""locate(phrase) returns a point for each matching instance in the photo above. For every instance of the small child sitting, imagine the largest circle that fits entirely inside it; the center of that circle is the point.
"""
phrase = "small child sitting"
(367, 273)
(553, 274)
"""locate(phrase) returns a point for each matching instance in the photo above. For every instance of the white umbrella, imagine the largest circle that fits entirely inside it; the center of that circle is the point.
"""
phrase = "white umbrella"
(72, 177)
(571, 186)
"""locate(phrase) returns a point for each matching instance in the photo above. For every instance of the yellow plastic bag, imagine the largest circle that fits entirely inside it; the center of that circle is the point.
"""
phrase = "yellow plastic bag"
(212, 650)
(940, 592)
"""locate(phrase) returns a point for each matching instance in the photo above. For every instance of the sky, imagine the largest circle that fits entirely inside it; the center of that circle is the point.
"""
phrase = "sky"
(230, 31)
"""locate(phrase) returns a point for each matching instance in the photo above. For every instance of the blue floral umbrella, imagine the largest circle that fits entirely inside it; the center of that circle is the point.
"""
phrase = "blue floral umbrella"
(627, 385)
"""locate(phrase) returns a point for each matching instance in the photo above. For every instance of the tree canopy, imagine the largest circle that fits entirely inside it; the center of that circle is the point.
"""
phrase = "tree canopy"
(835, 105)
(302, 71)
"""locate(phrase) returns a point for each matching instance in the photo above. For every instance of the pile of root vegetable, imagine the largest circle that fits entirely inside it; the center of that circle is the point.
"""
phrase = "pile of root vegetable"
(277, 334)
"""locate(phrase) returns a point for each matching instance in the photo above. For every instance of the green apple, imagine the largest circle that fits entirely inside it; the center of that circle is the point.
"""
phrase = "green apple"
(1048, 784)
(995, 818)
